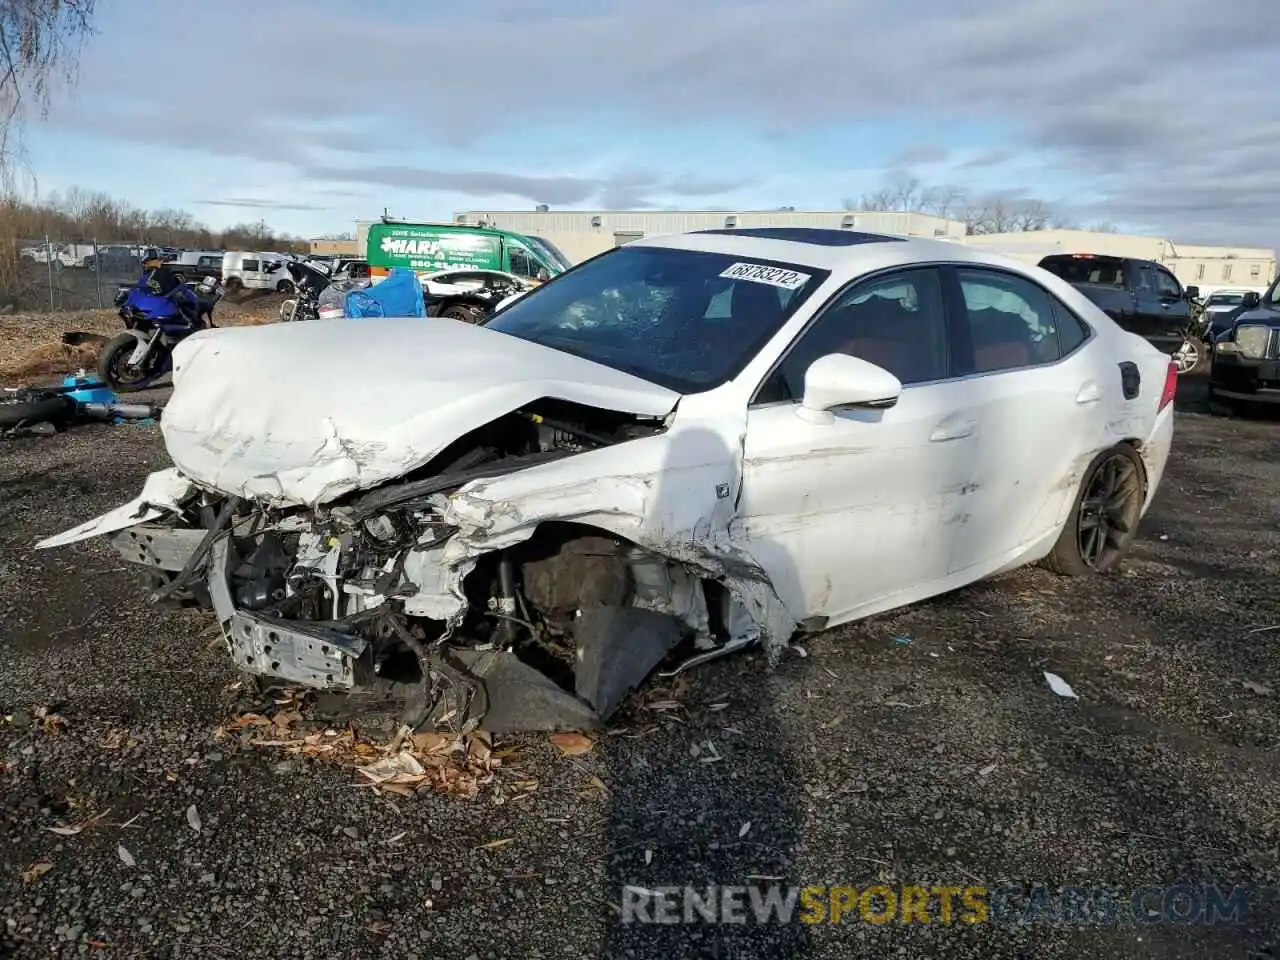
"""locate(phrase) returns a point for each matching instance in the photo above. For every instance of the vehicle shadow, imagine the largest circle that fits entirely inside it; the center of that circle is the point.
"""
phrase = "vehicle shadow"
(706, 796)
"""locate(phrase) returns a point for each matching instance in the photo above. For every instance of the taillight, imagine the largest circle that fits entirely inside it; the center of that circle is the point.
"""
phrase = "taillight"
(1170, 386)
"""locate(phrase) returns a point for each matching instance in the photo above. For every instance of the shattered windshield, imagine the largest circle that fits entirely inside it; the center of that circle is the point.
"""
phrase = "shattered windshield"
(683, 319)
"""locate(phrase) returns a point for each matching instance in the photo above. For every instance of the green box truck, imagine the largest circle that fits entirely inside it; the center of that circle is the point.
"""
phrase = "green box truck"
(428, 248)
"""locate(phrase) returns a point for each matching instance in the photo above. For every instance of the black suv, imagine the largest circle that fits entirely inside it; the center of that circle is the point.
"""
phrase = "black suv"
(1246, 354)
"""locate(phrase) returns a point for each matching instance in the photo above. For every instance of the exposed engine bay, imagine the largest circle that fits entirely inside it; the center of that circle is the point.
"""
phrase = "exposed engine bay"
(370, 594)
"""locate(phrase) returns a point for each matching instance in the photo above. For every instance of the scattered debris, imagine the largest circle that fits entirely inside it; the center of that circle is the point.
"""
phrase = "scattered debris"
(595, 783)
(987, 770)
(902, 641)
(744, 829)
(193, 818)
(494, 844)
(1261, 689)
(401, 773)
(35, 872)
(125, 856)
(439, 761)
(83, 825)
(572, 744)
(706, 752)
(1060, 686)
(50, 722)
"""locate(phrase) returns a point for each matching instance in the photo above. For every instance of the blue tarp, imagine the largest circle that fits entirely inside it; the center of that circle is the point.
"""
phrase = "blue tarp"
(399, 295)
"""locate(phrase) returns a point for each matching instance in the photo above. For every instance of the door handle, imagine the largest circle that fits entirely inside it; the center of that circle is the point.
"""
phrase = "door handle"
(952, 429)
(1089, 392)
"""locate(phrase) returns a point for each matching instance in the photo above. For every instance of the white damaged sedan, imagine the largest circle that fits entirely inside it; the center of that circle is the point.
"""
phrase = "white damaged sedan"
(682, 447)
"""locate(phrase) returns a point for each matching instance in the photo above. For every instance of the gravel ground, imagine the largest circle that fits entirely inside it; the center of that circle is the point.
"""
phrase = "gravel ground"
(945, 760)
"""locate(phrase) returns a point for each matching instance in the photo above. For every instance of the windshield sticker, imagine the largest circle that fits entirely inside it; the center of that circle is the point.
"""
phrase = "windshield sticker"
(774, 276)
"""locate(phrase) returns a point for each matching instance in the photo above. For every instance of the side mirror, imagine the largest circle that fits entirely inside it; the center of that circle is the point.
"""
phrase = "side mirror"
(1250, 300)
(839, 380)
(543, 275)
(1193, 293)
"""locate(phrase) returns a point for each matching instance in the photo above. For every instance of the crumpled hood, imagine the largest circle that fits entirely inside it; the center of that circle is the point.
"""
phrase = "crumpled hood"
(302, 413)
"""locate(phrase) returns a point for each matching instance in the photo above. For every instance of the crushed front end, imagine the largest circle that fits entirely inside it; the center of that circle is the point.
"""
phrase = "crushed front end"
(398, 593)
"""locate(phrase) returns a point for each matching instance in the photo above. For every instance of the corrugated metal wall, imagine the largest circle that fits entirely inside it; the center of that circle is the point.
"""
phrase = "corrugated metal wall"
(584, 233)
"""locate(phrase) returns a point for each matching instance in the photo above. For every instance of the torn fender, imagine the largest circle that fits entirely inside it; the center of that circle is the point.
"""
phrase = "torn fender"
(672, 495)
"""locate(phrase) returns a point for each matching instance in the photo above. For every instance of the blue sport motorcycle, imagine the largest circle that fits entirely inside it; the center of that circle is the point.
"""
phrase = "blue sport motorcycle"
(155, 323)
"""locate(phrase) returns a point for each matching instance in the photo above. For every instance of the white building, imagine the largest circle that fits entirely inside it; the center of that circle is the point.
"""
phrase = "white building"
(584, 233)
(1209, 268)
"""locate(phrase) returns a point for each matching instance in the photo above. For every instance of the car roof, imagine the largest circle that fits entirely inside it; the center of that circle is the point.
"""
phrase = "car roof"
(819, 248)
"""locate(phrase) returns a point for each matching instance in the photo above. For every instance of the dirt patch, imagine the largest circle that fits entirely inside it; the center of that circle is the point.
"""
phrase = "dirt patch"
(31, 344)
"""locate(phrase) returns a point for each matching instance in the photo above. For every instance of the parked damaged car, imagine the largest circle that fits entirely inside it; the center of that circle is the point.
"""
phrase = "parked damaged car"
(683, 447)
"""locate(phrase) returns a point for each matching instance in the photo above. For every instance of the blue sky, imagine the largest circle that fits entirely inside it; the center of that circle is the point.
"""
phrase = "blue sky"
(310, 115)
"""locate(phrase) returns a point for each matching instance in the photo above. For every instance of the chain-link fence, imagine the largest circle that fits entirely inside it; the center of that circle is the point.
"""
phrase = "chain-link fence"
(57, 274)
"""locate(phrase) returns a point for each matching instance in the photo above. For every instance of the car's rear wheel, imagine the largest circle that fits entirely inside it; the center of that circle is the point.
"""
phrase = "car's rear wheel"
(1104, 518)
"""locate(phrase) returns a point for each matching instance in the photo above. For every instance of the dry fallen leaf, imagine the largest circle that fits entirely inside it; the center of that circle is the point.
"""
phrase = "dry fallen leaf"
(494, 844)
(479, 745)
(595, 783)
(402, 765)
(35, 872)
(572, 744)
(1261, 689)
(744, 829)
(989, 768)
(248, 720)
(80, 827)
(193, 818)
(432, 742)
(125, 856)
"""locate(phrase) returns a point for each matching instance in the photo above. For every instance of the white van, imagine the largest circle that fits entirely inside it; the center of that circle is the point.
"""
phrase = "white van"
(254, 270)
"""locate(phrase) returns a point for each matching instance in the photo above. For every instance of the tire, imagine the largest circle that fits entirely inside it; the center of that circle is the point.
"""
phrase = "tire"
(285, 287)
(1078, 552)
(55, 410)
(465, 314)
(109, 361)
(234, 285)
(1191, 357)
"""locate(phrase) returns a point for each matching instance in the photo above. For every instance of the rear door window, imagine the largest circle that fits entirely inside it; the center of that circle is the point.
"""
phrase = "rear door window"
(1011, 322)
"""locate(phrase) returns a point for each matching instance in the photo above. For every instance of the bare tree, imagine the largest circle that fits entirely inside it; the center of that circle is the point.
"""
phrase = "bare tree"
(40, 44)
(993, 213)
